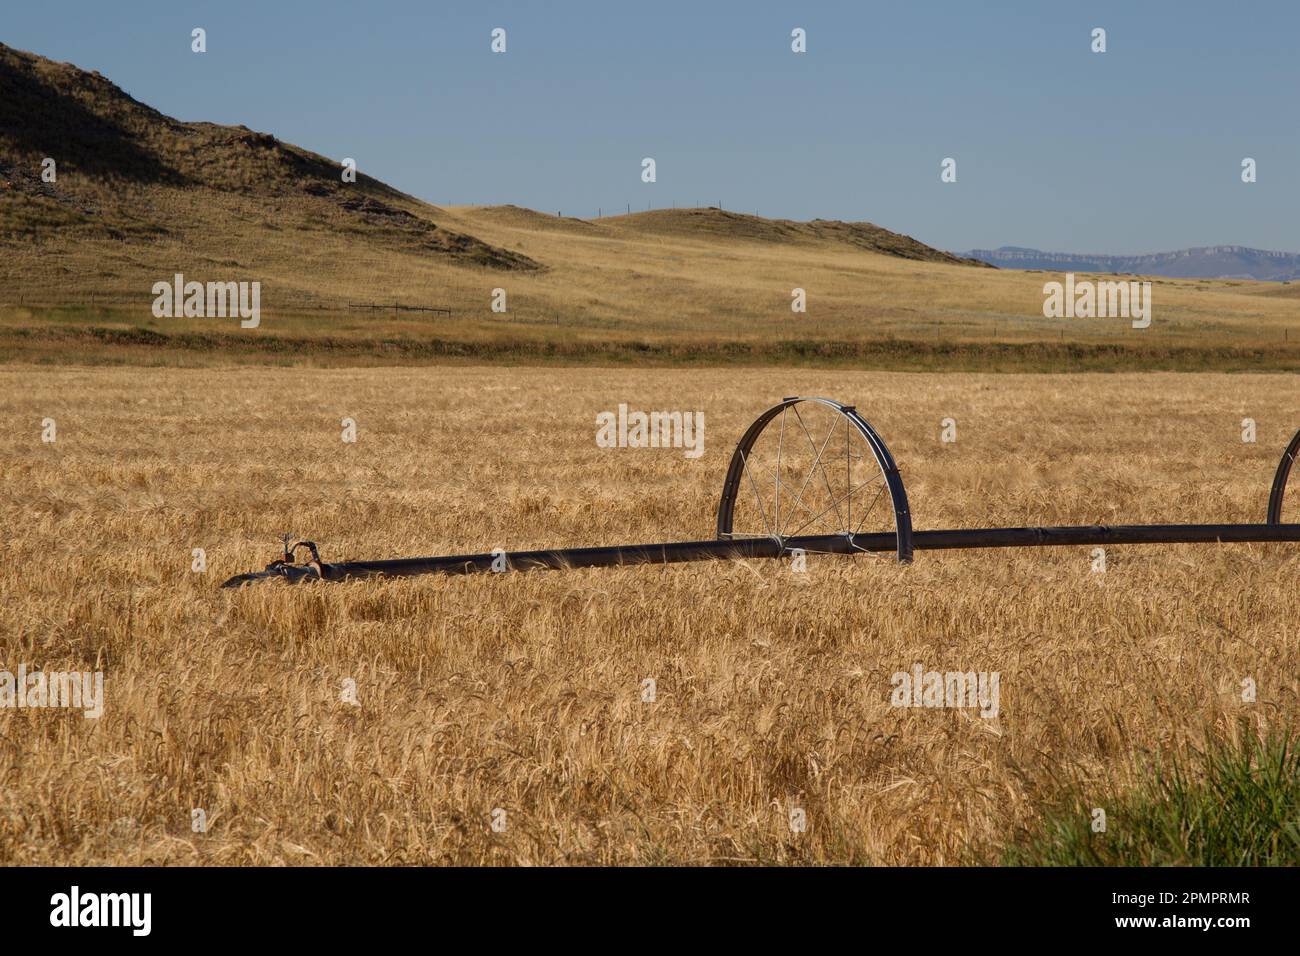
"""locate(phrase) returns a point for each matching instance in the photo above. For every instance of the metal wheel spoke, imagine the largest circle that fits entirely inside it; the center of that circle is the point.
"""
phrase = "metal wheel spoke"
(817, 460)
(835, 503)
(780, 443)
(773, 475)
(757, 467)
(826, 476)
(870, 508)
(757, 497)
(848, 476)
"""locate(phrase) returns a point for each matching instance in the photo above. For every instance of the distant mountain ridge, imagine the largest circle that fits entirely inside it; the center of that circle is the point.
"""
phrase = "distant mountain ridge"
(1208, 262)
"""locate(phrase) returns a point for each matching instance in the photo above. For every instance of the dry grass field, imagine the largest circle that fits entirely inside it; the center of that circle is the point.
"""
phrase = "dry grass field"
(524, 692)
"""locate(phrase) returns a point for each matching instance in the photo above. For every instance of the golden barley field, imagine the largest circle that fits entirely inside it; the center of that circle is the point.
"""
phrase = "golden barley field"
(522, 693)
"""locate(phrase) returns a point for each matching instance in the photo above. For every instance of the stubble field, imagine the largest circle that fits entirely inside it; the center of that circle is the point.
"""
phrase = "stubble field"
(523, 693)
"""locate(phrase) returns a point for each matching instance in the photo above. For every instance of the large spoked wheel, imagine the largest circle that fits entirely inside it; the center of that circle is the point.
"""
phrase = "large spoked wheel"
(811, 467)
(1276, 513)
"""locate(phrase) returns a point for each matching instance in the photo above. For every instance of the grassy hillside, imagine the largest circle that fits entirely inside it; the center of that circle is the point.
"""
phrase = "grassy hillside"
(141, 196)
(137, 191)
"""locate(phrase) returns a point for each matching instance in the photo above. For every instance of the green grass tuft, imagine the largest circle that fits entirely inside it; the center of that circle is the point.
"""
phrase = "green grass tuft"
(1236, 803)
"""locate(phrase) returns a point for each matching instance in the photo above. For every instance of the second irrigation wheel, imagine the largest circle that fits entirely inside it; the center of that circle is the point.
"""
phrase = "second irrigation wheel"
(1276, 510)
(813, 466)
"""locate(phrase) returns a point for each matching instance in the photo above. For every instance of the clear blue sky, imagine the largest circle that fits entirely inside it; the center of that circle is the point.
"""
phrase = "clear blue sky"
(1135, 150)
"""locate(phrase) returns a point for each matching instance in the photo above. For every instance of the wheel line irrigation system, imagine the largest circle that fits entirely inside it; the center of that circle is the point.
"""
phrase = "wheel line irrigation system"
(768, 539)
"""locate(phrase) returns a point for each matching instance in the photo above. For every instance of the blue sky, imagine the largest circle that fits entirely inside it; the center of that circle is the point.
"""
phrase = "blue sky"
(1135, 150)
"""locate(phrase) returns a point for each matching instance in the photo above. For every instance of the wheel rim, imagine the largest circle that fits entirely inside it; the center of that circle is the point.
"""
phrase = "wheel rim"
(813, 466)
(1276, 513)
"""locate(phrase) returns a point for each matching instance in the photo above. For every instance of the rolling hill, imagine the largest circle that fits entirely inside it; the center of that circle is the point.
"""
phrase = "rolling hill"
(129, 174)
(714, 224)
(168, 196)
